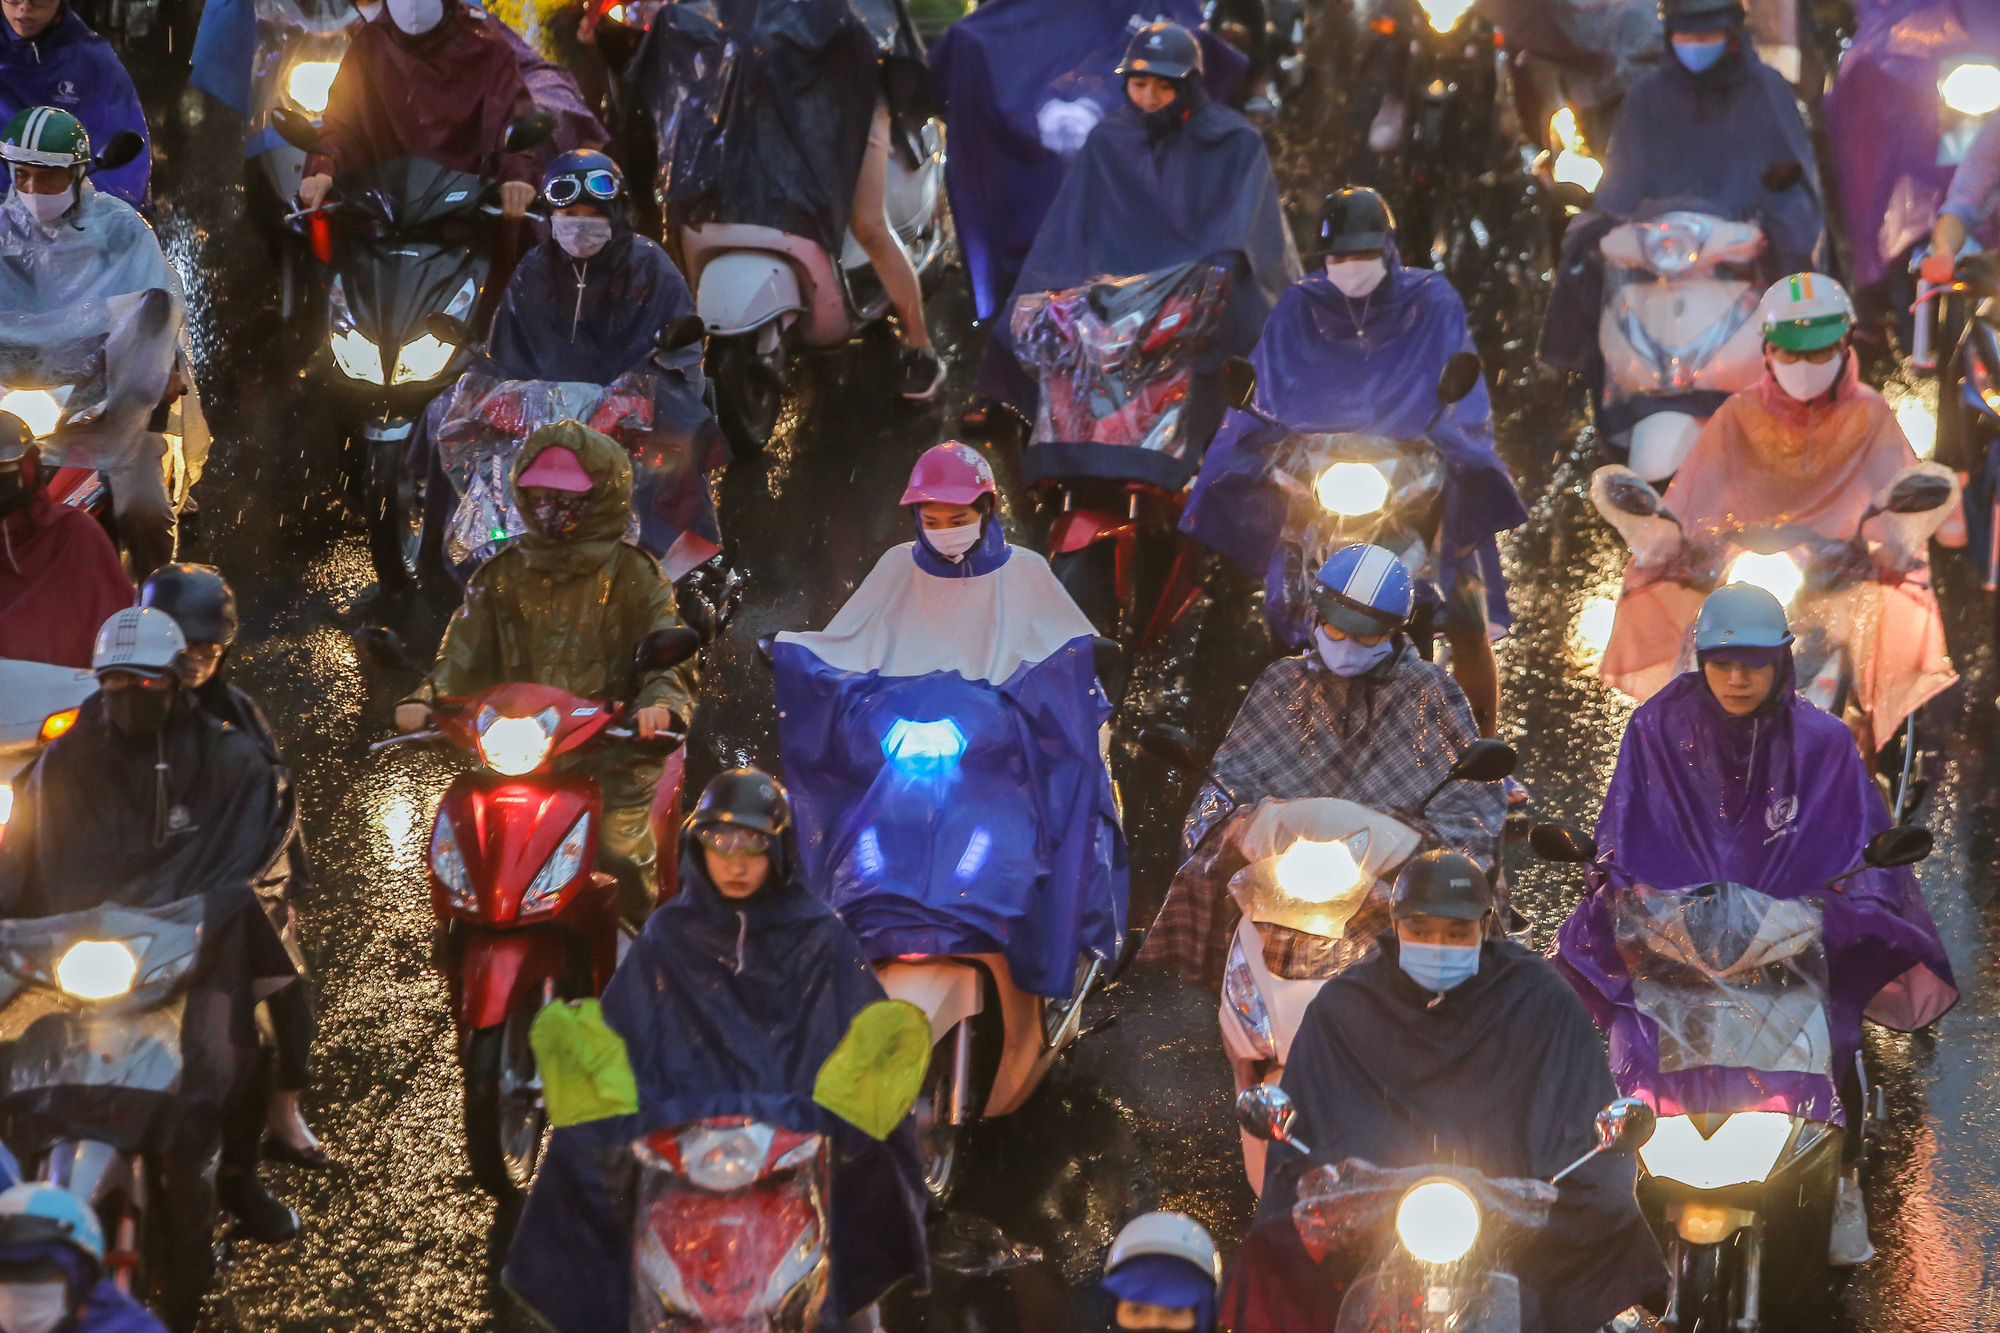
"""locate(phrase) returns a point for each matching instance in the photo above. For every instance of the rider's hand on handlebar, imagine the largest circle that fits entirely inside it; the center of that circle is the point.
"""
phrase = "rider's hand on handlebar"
(312, 190)
(412, 717)
(1937, 269)
(515, 196)
(654, 720)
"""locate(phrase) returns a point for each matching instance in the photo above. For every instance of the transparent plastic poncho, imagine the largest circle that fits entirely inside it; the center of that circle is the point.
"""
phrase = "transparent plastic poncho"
(1729, 976)
(1115, 358)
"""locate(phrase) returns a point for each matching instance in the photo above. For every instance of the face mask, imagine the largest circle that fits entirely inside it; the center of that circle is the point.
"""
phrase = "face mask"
(33, 1307)
(138, 711)
(1351, 657)
(1698, 56)
(1357, 277)
(558, 513)
(953, 543)
(1437, 967)
(46, 208)
(1805, 381)
(581, 238)
(416, 16)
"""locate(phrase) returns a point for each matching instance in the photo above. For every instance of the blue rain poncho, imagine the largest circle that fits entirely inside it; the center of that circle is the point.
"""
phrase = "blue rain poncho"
(69, 67)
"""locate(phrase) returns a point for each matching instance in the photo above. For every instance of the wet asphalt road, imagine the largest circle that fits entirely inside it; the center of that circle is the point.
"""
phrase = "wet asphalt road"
(402, 1240)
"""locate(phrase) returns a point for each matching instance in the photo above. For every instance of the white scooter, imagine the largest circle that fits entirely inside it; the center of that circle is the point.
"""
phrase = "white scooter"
(764, 293)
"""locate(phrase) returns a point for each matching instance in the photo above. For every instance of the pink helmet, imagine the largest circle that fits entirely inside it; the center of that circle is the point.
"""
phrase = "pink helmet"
(949, 473)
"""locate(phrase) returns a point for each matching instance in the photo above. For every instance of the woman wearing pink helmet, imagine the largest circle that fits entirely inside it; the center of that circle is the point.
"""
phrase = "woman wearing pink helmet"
(953, 493)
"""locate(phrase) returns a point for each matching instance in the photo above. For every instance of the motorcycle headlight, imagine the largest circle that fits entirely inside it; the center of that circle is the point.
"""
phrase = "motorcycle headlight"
(1776, 574)
(1317, 872)
(516, 745)
(1239, 992)
(1574, 168)
(725, 1160)
(1437, 1221)
(310, 82)
(422, 358)
(1445, 14)
(450, 866)
(357, 357)
(1352, 489)
(562, 866)
(931, 747)
(96, 970)
(37, 408)
(1741, 1151)
(1971, 88)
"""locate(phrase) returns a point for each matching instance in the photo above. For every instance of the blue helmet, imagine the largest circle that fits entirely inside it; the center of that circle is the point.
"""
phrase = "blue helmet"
(584, 177)
(1741, 615)
(37, 1213)
(1364, 590)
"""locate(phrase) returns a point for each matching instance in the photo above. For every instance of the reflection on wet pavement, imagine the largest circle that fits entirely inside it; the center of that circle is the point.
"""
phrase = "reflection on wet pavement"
(402, 1240)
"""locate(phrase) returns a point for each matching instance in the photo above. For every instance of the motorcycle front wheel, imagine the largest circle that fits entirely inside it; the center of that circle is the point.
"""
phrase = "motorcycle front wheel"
(1706, 1286)
(749, 390)
(393, 502)
(506, 1119)
(937, 1137)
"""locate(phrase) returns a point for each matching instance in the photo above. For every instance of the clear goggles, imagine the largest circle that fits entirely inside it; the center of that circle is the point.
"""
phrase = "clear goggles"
(600, 184)
(724, 840)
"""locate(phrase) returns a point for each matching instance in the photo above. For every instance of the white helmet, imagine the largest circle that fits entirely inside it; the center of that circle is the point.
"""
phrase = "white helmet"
(140, 640)
(1175, 1235)
(1806, 312)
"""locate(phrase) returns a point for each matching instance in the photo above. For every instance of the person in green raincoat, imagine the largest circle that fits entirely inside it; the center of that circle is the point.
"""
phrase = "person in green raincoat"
(567, 605)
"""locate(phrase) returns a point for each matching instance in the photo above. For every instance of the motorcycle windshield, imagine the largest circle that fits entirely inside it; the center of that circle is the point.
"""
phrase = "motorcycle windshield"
(411, 192)
(1343, 489)
(1409, 1297)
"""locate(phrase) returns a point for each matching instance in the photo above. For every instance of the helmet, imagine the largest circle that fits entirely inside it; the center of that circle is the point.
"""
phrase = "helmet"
(37, 1213)
(197, 597)
(15, 438)
(583, 177)
(1440, 883)
(1806, 312)
(1701, 15)
(1354, 219)
(1164, 50)
(1741, 615)
(43, 136)
(140, 640)
(1175, 1235)
(1364, 590)
(746, 797)
(949, 473)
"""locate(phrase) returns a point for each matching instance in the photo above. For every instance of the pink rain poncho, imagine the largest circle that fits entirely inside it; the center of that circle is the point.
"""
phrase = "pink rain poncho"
(1767, 473)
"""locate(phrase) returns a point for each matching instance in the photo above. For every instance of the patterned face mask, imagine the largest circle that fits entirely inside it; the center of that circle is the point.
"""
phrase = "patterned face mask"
(556, 513)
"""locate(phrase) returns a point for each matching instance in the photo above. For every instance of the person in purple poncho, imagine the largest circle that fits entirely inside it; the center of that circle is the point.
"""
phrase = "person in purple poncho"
(1727, 776)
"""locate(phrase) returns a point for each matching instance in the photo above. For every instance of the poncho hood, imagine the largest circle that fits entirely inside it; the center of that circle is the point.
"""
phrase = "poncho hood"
(610, 511)
(60, 578)
(68, 66)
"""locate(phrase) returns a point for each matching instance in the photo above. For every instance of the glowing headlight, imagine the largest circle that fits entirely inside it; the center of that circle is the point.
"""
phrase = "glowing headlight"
(1776, 574)
(1352, 489)
(725, 1160)
(1239, 992)
(1437, 1221)
(37, 408)
(920, 746)
(422, 358)
(1317, 872)
(1742, 1150)
(357, 357)
(1593, 625)
(309, 83)
(96, 970)
(450, 865)
(560, 870)
(1445, 14)
(1971, 89)
(517, 745)
(1574, 168)
(1919, 426)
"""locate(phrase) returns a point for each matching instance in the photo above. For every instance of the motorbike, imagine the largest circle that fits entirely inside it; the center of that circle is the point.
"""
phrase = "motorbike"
(1452, 1226)
(413, 240)
(1741, 1195)
(525, 917)
(38, 703)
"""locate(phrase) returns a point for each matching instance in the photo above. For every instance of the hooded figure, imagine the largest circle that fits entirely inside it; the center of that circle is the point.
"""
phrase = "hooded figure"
(60, 576)
(567, 605)
(727, 1006)
(67, 65)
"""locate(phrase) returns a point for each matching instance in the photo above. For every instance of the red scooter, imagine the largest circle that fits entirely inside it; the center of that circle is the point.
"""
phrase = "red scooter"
(525, 917)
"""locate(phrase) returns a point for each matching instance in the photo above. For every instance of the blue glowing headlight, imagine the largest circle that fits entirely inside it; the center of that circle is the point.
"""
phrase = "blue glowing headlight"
(926, 747)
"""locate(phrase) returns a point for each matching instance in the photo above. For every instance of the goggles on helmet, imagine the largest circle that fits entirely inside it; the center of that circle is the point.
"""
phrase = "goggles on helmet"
(562, 191)
(726, 841)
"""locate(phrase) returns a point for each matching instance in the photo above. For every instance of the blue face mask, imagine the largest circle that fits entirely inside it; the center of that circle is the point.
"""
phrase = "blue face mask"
(1351, 657)
(1438, 967)
(1698, 56)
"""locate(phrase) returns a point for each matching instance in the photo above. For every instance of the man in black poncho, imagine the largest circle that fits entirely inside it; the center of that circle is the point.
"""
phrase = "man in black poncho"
(728, 1005)
(1446, 1046)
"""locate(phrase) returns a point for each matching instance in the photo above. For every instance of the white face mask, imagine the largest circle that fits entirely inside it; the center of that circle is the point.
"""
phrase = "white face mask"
(1357, 277)
(32, 1307)
(953, 543)
(581, 237)
(416, 16)
(1805, 381)
(46, 208)
(1351, 657)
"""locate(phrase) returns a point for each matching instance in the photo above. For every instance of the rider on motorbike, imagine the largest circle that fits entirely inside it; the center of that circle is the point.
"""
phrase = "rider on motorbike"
(1360, 717)
(1357, 348)
(1728, 776)
(50, 57)
(1162, 1273)
(52, 1268)
(80, 263)
(728, 1004)
(435, 81)
(1968, 202)
(61, 576)
(1447, 1044)
(567, 605)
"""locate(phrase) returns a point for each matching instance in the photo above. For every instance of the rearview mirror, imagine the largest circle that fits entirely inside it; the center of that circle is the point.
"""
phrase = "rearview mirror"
(1484, 760)
(125, 146)
(665, 649)
(1783, 174)
(1625, 1126)
(1918, 493)
(1629, 493)
(1560, 842)
(1171, 746)
(685, 331)
(1239, 382)
(383, 648)
(536, 127)
(1903, 845)
(295, 129)
(1266, 1111)
(447, 329)
(1459, 377)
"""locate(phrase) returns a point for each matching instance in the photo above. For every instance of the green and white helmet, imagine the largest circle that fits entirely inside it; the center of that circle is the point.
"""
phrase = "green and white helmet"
(1806, 312)
(43, 136)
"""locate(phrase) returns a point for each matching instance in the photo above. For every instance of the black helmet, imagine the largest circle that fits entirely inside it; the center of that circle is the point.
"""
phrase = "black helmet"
(1701, 15)
(745, 797)
(197, 597)
(1353, 220)
(1447, 884)
(1164, 50)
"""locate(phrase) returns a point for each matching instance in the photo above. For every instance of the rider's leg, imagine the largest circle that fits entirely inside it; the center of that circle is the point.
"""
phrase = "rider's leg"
(625, 836)
(1473, 667)
(869, 220)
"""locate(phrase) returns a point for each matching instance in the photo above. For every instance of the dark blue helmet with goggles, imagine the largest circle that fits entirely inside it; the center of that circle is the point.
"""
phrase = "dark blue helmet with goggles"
(1364, 590)
(583, 178)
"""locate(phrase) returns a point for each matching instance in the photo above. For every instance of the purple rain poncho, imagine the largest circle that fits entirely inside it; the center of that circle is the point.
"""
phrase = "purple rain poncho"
(1778, 801)
(1328, 363)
